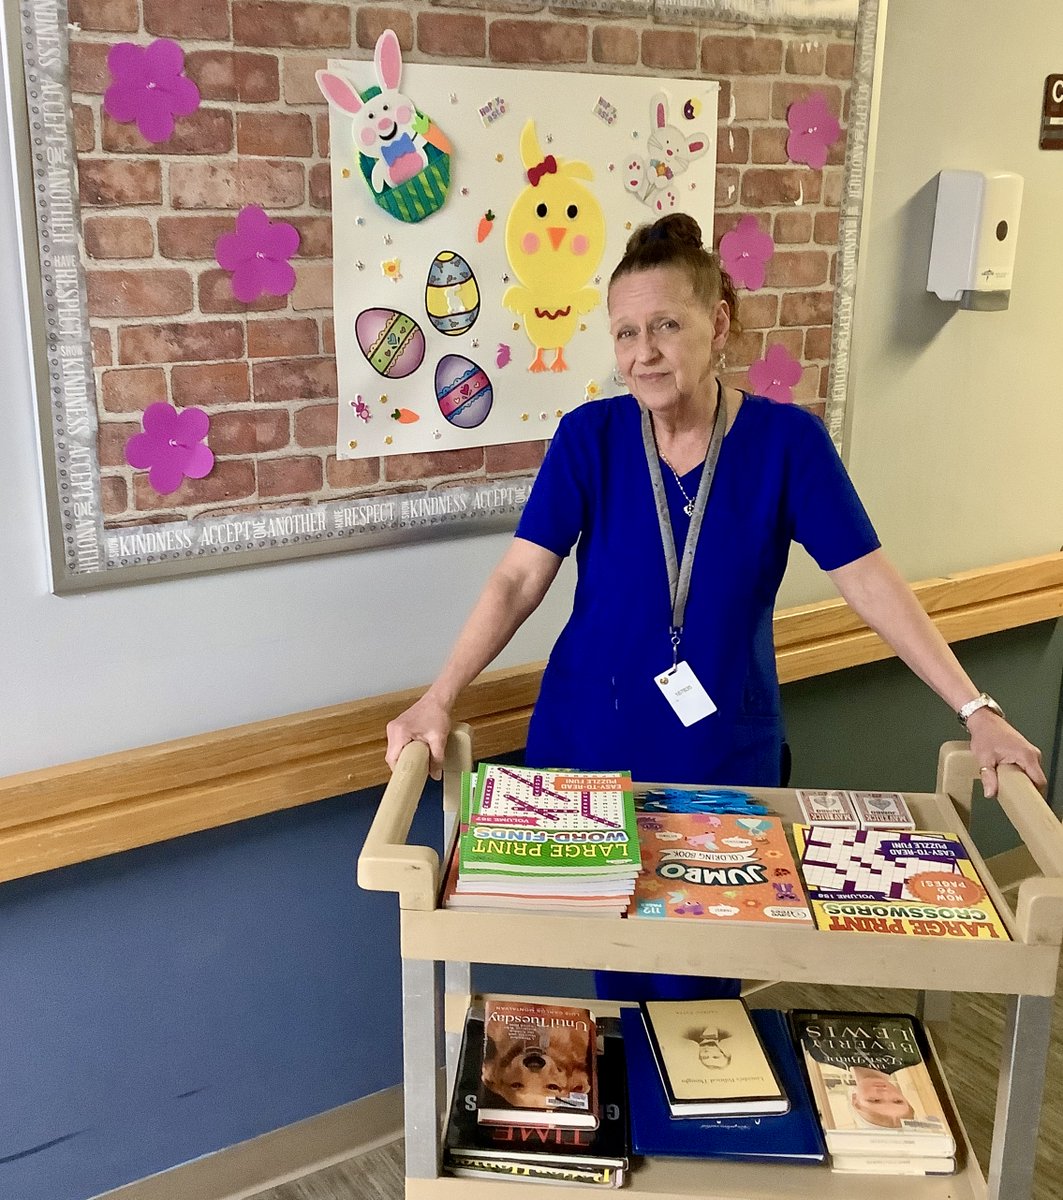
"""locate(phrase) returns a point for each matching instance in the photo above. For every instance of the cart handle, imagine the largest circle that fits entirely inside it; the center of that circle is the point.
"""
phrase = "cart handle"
(1039, 909)
(387, 863)
(1023, 805)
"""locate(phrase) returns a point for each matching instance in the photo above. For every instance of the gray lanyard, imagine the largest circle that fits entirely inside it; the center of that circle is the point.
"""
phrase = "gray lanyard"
(679, 574)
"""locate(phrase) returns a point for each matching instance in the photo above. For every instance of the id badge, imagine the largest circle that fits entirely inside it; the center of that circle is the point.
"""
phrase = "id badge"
(683, 691)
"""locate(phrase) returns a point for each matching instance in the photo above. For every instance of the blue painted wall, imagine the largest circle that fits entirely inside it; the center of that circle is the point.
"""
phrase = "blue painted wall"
(162, 1004)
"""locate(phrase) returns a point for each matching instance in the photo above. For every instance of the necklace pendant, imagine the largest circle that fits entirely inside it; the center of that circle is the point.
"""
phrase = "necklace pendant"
(688, 508)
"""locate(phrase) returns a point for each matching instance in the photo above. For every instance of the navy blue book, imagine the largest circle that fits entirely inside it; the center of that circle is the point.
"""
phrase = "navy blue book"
(792, 1137)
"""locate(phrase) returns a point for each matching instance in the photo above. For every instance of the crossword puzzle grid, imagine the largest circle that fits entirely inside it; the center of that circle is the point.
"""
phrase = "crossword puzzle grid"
(844, 860)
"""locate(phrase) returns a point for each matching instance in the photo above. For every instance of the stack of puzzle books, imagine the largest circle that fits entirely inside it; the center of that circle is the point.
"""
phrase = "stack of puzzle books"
(557, 841)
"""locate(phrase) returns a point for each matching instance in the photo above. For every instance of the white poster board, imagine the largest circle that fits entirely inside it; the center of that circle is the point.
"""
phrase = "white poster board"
(456, 330)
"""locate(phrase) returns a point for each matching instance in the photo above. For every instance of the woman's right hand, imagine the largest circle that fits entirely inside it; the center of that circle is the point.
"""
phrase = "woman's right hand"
(426, 721)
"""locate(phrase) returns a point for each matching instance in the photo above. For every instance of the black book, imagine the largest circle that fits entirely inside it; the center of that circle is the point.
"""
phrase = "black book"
(469, 1142)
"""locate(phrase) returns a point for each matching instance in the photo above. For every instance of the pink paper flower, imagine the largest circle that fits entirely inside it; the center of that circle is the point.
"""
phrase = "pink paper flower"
(171, 446)
(775, 374)
(813, 130)
(150, 87)
(745, 252)
(257, 254)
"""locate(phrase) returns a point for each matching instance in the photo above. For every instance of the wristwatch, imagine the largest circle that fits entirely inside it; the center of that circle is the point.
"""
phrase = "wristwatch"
(983, 700)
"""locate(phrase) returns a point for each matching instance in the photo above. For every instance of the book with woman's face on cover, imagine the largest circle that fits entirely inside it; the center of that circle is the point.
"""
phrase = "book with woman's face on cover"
(711, 1059)
(871, 1083)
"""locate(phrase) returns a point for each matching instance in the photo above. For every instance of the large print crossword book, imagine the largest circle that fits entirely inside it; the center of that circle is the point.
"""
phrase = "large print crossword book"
(524, 821)
(913, 884)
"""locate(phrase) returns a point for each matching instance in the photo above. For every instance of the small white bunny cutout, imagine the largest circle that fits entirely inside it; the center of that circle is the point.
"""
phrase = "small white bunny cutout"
(669, 153)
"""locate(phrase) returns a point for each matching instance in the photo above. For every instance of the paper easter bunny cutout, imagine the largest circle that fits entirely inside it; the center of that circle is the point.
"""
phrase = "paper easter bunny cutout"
(402, 154)
(669, 152)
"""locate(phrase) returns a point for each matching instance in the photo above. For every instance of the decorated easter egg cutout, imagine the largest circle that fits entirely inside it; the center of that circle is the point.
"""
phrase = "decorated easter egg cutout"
(392, 342)
(451, 295)
(463, 391)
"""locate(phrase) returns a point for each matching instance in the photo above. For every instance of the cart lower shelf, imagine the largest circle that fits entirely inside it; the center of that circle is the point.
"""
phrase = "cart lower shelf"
(714, 1179)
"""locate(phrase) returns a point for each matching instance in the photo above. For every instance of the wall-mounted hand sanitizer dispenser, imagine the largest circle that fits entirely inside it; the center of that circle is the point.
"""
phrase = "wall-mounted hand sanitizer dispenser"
(976, 225)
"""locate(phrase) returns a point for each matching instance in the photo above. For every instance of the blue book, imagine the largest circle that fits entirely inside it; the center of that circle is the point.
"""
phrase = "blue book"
(792, 1137)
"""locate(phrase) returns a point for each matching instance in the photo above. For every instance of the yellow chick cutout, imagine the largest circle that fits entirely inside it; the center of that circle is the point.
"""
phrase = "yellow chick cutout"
(555, 237)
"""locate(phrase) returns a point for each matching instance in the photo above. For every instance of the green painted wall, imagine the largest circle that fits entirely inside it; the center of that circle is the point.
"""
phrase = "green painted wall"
(878, 726)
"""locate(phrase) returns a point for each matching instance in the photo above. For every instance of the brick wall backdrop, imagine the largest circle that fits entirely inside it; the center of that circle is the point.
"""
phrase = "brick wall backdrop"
(166, 325)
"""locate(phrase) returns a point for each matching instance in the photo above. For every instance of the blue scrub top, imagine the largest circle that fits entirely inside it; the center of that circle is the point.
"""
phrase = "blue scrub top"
(778, 479)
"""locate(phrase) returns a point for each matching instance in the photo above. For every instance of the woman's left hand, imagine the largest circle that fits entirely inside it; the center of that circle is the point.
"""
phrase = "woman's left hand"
(994, 741)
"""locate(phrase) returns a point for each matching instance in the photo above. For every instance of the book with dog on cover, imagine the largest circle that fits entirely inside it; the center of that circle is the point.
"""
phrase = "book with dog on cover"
(539, 1065)
(600, 1152)
(872, 1087)
(711, 1060)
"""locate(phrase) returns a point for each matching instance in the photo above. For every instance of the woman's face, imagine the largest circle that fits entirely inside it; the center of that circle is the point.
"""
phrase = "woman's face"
(665, 338)
(879, 1099)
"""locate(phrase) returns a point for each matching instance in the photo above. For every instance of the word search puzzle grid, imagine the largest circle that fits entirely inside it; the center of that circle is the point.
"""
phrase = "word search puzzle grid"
(511, 799)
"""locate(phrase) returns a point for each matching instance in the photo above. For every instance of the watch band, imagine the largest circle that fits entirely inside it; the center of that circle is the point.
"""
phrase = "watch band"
(982, 700)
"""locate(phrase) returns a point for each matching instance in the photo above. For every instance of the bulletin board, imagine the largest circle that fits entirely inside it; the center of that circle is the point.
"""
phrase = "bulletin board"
(197, 412)
(508, 340)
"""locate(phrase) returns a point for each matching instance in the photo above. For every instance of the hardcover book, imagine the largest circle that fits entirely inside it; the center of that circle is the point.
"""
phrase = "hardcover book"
(472, 1167)
(519, 821)
(539, 1065)
(468, 1143)
(872, 1088)
(710, 1059)
(717, 868)
(792, 1137)
(915, 884)
(869, 1164)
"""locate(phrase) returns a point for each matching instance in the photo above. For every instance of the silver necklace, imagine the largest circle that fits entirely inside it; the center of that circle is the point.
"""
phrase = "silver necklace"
(688, 508)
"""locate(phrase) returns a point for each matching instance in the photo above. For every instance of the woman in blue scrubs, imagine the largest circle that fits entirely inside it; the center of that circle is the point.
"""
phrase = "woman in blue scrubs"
(681, 500)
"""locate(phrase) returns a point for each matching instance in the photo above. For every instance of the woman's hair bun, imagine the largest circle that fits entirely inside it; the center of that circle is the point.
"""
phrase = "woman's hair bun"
(678, 228)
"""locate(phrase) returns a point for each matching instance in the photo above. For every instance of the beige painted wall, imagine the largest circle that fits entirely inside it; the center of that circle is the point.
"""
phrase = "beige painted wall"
(957, 417)
(956, 436)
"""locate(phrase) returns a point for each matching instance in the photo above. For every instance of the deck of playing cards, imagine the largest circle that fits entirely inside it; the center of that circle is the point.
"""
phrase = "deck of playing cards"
(828, 808)
(882, 810)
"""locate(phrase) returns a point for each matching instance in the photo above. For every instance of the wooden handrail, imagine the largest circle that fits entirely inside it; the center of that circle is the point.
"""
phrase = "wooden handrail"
(77, 811)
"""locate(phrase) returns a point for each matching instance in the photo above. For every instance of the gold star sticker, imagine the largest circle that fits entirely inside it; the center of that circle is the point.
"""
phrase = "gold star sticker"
(384, 398)
(500, 158)
(387, 440)
(558, 413)
(516, 324)
(353, 445)
(523, 416)
(346, 173)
